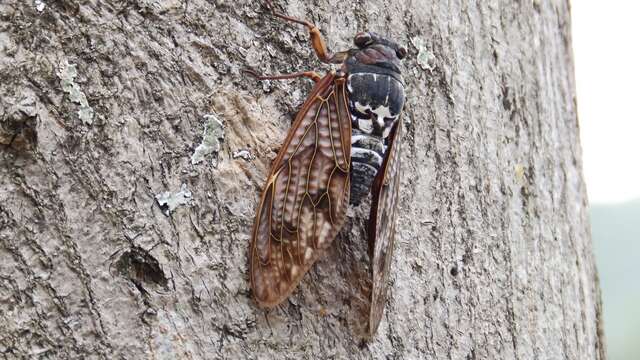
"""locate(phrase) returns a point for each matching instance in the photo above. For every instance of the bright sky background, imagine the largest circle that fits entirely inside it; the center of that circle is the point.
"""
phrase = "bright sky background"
(606, 43)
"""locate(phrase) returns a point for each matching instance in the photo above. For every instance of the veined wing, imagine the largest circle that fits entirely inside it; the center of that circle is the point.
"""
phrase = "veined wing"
(305, 200)
(382, 224)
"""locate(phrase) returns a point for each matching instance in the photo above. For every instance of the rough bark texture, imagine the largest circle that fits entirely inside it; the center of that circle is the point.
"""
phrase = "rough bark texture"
(493, 255)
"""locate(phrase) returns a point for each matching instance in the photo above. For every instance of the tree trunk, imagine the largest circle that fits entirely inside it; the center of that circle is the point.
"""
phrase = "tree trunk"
(134, 150)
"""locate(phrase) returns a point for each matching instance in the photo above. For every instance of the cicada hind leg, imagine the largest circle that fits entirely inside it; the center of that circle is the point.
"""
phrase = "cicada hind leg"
(308, 74)
(317, 42)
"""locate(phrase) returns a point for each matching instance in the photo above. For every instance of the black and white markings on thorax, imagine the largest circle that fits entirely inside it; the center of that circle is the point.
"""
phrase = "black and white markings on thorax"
(375, 102)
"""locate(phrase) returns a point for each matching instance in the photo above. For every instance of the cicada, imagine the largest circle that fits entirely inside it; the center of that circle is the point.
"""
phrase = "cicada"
(344, 143)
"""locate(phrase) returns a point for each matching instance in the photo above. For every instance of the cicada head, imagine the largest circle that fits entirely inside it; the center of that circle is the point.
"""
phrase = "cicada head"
(375, 50)
(365, 39)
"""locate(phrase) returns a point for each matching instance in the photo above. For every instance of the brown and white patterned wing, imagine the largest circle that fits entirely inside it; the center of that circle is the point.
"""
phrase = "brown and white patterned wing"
(382, 225)
(305, 200)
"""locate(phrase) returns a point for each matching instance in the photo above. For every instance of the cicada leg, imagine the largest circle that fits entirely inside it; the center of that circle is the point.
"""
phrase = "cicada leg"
(317, 42)
(308, 74)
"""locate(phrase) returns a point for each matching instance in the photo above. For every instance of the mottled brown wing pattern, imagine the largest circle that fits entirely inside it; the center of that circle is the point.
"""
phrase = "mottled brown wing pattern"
(305, 200)
(382, 225)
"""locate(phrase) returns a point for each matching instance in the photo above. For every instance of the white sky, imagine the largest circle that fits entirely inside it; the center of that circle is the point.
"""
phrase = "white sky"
(606, 43)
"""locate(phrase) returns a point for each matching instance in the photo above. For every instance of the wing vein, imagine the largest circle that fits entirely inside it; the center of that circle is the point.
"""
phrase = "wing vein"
(294, 197)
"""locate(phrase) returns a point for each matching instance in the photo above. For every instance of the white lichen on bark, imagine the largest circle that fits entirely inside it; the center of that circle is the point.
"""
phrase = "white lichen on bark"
(67, 73)
(424, 58)
(169, 201)
(211, 140)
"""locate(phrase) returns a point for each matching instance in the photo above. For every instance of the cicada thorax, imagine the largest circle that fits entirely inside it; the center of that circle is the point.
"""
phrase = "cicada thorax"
(375, 91)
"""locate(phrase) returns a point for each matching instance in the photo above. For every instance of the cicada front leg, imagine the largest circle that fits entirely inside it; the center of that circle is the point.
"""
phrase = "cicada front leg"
(317, 42)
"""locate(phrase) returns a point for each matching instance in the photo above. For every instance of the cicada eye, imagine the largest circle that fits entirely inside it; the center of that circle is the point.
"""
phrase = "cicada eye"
(401, 52)
(362, 39)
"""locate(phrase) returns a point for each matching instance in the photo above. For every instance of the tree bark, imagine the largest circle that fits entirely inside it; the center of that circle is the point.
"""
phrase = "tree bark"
(107, 109)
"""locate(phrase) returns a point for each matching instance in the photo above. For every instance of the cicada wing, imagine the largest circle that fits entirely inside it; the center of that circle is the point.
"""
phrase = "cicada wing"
(382, 224)
(304, 202)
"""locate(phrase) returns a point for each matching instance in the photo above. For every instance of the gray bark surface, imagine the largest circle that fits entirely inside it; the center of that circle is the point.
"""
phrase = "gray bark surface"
(102, 106)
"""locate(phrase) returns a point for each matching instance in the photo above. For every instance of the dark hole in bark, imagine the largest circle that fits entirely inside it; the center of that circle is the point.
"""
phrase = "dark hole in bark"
(454, 271)
(164, 208)
(139, 266)
(18, 130)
